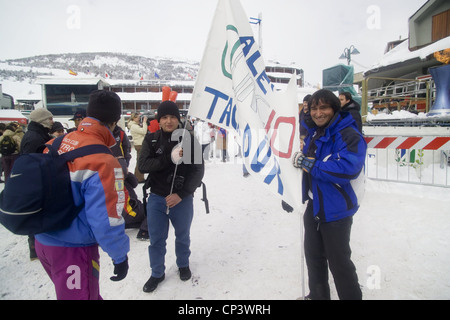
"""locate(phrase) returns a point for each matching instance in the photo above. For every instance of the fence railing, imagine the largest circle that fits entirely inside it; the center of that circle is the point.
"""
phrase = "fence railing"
(380, 93)
(420, 160)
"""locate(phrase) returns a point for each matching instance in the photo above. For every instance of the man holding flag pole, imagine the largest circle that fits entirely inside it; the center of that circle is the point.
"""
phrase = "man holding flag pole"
(175, 170)
(333, 160)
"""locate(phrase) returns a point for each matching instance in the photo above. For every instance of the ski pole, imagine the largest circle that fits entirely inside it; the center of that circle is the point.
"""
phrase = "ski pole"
(176, 164)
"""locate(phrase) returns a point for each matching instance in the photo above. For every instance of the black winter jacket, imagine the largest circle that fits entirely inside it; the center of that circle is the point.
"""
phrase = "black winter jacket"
(155, 159)
(35, 138)
(354, 109)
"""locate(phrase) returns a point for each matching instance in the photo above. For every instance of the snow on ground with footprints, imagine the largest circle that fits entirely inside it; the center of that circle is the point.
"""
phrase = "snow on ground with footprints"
(249, 248)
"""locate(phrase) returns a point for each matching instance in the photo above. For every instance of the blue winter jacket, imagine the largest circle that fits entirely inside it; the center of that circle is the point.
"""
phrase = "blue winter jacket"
(97, 180)
(340, 152)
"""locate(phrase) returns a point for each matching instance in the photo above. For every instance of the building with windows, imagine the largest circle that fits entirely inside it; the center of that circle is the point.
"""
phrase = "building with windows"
(281, 74)
(401, 79)
(139, 96)
(429, 24)
(65, 96)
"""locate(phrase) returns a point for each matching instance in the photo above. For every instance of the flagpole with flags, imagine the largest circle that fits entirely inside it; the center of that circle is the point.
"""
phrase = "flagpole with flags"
(159, 79)
(233, 91)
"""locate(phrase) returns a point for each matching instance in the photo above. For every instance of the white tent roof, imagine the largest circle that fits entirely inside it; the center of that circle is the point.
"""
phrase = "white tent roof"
(10, 115)
(73, 80)
(150, 96)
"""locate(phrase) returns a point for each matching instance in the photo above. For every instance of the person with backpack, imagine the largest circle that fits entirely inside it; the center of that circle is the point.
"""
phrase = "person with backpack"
(133, 213)
(71, 256)
(9, 148)
(33, 141)
(172, 187)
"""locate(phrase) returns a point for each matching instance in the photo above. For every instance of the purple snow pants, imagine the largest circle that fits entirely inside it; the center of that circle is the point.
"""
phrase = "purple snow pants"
(73, 271)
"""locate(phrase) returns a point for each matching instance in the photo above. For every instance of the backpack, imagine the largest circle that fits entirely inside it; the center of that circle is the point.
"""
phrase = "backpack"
(7, 146)
(37, 197)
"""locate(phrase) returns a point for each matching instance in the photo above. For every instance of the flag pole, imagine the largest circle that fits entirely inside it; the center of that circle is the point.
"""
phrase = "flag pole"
(176, 164)
(302, 255)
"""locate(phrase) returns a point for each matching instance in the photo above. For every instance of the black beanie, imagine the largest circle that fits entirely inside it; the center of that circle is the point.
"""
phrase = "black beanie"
(104, 106)
(168, 108)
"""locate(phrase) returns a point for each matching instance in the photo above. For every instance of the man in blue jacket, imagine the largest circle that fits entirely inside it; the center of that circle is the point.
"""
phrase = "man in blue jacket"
(333, 162)
(71, 256)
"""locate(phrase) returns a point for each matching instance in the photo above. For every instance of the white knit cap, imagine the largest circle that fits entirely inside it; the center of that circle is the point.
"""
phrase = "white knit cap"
(40, 115)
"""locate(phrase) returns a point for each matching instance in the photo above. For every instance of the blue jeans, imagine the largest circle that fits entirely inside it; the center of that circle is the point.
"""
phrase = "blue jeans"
(158, 228)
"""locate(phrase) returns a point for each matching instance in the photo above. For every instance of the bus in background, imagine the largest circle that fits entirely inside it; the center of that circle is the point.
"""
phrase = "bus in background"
(64, 97)
(6, 101)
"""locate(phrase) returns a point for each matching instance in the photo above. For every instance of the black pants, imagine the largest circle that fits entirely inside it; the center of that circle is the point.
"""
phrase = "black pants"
(328, 244)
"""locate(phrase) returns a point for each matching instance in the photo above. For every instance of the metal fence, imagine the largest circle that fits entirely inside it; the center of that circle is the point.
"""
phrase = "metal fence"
(418, 160)
(380, 93)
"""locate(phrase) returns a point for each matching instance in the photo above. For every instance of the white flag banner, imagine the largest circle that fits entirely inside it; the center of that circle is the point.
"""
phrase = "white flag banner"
(234, 92)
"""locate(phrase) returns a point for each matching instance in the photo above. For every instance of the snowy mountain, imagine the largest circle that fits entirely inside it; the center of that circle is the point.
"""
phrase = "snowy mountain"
(17, 76)
(117, 65)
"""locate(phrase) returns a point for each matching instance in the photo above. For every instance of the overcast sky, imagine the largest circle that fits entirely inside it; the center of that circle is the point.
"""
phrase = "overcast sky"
(312, 34)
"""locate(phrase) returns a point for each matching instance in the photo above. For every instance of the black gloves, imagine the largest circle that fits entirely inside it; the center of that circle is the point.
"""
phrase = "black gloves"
(121, 270)
(302, 162)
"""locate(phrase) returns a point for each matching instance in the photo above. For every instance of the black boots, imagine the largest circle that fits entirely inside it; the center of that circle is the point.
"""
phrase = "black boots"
(152, 283)
(185, 273)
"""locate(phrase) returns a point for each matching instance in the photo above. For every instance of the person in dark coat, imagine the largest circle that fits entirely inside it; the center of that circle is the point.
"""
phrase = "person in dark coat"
(38, 132)
(77, 118)
(33, 141)
(351, 106)
(57, 129)
(172, 187)
(8, 158)
(303, 116)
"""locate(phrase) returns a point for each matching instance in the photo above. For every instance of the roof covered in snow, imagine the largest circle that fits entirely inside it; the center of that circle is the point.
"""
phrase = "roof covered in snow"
(401, 54)
(70, 81)
(150, 96)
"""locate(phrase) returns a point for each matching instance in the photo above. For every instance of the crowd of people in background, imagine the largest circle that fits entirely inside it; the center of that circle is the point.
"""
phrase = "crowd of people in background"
(321, 115)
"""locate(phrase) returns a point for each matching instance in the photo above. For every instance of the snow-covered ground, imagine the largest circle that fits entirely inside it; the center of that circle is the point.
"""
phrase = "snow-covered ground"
(249, 248)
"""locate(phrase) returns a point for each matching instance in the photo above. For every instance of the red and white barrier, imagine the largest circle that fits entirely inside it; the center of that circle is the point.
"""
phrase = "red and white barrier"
(425, 143)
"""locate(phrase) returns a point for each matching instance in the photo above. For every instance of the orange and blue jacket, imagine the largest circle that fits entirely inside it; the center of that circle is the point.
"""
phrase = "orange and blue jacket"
(98, 181)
